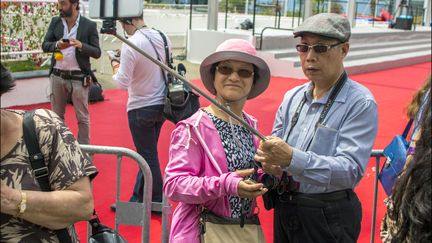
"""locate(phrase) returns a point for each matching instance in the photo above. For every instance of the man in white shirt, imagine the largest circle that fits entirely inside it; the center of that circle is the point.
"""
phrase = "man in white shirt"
(73, 39)
(145, 83)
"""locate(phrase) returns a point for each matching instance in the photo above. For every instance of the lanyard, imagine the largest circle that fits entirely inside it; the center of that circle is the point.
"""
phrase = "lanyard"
(287, 183)
(339, 84)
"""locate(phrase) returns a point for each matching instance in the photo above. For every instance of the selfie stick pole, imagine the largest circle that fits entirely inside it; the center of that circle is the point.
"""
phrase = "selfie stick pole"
(174, 73)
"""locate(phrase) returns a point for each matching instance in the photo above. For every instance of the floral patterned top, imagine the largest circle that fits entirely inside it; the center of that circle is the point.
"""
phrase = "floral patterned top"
(66, 164)
(239, 148)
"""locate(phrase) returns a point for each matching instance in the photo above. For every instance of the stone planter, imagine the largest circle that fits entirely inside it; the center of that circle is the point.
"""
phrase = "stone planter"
(32, 87)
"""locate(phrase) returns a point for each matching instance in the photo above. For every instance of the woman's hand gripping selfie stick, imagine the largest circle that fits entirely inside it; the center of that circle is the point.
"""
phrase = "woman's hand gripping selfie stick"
(199, 91)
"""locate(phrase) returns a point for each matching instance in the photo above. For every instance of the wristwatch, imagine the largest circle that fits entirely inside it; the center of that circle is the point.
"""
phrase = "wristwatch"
(22, 206)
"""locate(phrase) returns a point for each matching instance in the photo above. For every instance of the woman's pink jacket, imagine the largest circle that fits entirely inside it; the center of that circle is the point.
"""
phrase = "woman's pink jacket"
(197, 175)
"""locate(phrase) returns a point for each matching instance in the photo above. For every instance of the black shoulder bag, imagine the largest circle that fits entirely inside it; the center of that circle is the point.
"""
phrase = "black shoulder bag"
(180, 101)
(100, 233)
(95, 92)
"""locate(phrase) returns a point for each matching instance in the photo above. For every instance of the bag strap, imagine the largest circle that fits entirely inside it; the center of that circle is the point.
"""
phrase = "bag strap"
(38, 163)
(157, 54)
(36, 157)
(167, 52)
(95, 223)
(407, 128)
(168, 56)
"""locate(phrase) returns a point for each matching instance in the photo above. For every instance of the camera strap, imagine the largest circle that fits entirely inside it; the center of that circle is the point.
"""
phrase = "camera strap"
(168, 56)
(332, 97)
(167, 52)
(287, 183)
(157, 53)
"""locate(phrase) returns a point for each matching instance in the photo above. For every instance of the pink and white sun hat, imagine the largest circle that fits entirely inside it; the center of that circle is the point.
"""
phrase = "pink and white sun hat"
(237, 50)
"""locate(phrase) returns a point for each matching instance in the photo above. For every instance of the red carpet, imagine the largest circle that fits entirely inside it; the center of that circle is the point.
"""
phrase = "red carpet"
(392, 89)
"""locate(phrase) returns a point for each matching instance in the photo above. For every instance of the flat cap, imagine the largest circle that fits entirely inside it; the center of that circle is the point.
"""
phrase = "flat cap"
(326, 24)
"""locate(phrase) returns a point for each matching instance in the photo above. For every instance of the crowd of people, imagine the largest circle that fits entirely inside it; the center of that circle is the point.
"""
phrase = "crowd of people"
(316, 155)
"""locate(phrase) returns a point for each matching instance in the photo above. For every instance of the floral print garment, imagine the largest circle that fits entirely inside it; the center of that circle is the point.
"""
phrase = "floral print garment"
(66, 164)
(239, 148)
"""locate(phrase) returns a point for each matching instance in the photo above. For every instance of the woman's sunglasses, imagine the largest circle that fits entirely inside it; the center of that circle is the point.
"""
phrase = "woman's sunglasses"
(227, 70)
(318, 48)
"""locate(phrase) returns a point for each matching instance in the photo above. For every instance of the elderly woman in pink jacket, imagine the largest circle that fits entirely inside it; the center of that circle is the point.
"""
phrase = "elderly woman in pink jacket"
(211, 153)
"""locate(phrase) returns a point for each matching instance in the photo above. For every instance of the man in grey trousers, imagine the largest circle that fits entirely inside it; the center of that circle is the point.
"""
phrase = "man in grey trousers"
(73, 39)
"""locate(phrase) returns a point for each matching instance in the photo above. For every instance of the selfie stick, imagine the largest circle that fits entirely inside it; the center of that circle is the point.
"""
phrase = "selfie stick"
(110, 29)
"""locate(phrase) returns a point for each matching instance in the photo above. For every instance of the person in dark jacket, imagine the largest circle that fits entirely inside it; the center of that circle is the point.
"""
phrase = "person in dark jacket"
(72, 39)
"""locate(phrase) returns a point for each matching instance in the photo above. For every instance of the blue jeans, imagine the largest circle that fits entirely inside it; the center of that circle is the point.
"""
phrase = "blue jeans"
(145, 125)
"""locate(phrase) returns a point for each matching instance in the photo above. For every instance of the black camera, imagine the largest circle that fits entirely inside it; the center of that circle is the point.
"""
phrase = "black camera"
(176, 88)
(270, 182)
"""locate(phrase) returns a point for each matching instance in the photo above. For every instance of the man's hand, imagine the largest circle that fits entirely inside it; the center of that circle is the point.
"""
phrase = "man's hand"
(249, 188)
(275, 170)
(62, 45)
(274, 151)
(114, 57)
(75, 43)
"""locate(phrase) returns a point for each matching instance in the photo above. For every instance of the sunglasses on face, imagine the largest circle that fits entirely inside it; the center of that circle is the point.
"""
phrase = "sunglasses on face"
(227, 70)
(318, 48)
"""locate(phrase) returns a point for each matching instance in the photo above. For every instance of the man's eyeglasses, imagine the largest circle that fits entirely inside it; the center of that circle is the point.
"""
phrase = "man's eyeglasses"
(227, 70)
(318, 48)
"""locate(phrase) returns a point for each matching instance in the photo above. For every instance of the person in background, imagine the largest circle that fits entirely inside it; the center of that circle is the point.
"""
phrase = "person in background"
(72, 39)
(410, 211)
(145, 83)
(27, 213)
(210, 152)
(321, 141)
(415, 111)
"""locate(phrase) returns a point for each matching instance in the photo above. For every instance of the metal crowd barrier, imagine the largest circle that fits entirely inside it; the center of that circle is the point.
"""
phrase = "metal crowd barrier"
(377, 154)
(129, 213)
(132, 213)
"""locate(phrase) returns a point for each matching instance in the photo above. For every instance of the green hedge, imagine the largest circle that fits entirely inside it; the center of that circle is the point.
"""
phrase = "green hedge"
(19, 66)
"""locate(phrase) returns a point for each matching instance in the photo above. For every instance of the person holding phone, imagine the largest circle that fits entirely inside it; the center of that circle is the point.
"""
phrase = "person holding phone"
(77, 39)
(145, 83)
(211, 153)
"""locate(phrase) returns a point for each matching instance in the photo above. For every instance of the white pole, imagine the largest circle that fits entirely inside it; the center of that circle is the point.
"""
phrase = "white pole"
(427, 12)
(285, 8)
(212, 14)
(307, 8)
(246, 7)
(351, 10)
